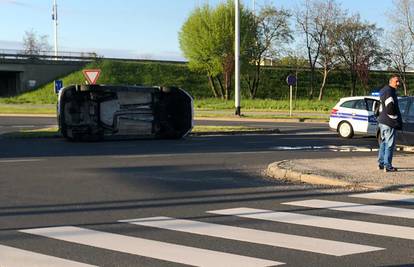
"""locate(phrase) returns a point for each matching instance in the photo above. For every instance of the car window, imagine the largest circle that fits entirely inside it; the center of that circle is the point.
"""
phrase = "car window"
(402, 104)
(411, 110)
(348, 104)
(360, 104)
(370, 103)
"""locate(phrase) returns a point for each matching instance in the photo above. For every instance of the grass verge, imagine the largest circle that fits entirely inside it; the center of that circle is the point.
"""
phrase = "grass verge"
(37, 133)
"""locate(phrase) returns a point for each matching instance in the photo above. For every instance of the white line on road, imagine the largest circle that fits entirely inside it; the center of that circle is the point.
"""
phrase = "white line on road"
(296, 242)
(149, 248)
(20, 160)
(13, 257)
(191, 154)
(331, 148)
(322, 222)
(354, 207)
(385, 196)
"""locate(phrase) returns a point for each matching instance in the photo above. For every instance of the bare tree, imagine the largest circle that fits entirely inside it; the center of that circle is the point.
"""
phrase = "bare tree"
(313, 22)
(405, 15)
(271, 32)
(34, 44)
(329, 58)
(358, 46)
(400, 45)
(400, 54)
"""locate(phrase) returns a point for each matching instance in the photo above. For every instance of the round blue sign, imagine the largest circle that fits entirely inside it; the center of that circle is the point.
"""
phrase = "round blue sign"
(291, 80)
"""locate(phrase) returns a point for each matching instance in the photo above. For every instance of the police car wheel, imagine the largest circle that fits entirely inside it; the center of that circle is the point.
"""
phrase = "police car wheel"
(345, 130)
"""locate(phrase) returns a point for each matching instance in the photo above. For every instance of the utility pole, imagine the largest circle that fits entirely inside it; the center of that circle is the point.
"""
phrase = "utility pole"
(237, 61)
(55, 19)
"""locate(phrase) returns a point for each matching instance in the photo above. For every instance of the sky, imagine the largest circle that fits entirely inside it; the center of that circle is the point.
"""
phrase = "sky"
(146, 29)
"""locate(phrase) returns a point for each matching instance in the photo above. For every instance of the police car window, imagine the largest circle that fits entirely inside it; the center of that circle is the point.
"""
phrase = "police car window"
(348, 104)
(370, 104)
(411, 110)
(402, 104)
(360, 104)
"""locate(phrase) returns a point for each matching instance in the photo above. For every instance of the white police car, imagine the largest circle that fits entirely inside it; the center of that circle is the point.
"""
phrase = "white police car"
(354, 115)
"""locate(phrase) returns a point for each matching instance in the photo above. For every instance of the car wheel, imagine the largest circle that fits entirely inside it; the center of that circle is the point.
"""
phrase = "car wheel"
(345, 130)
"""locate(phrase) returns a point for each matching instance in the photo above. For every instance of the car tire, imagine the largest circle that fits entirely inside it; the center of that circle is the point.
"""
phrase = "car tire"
(345, 130)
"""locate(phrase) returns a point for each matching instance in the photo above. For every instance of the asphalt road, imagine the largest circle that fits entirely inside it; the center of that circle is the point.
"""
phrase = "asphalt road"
(64, 201)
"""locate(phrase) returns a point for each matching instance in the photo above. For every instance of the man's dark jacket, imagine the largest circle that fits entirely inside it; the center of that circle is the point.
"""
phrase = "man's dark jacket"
(390, 112)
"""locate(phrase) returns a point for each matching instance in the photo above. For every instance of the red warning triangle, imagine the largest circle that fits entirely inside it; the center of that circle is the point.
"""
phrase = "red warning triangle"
(91, 75)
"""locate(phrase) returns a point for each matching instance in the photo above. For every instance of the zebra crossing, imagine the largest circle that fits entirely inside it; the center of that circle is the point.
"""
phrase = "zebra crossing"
(194, 256)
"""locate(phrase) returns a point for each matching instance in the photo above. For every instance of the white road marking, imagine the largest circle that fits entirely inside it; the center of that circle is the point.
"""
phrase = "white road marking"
(385, 196)
(322, 222)
(354, 207)
(13, 257)
(20, 160)
(331, 148)
(190, 154)
(149, 248)
(322, 246)
(307, 133)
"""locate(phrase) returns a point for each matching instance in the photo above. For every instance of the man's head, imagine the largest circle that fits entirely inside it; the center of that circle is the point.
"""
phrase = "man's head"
(394, 81)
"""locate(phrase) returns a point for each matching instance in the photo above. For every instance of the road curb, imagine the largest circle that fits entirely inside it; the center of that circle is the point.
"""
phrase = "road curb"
(304, 120)
(275, 170)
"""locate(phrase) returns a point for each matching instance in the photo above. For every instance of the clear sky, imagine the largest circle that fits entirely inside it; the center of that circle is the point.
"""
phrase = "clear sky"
(129, 28)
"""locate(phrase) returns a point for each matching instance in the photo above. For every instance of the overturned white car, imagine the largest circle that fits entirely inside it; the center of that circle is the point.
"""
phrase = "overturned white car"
(96, 112)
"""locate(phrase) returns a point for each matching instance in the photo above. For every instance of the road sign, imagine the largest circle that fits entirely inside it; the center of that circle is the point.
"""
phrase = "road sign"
(291, 80)
(58, 86)
(91, 75)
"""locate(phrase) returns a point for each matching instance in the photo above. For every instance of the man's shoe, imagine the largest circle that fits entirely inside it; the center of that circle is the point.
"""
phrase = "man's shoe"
(390, 169)
(380, 167)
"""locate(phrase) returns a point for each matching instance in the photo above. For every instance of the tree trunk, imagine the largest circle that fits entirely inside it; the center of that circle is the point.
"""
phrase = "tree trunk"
(404, 82)
(221, 87)
(213, 86)
(325, 76)
(249, 82)
(353, 82)
(312, 75)
(256, 80)
(227, 80)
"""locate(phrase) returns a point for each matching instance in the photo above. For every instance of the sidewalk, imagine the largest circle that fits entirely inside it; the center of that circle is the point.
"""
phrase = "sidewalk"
(354, 172)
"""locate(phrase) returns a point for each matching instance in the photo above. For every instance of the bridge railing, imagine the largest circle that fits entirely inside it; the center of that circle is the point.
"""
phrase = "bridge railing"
(47, 55)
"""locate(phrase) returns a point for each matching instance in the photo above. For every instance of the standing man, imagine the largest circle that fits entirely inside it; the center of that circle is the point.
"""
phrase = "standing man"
(389, 121)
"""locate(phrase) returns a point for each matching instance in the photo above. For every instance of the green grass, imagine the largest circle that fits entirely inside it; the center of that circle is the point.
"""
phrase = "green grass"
(199, 129)
(27, 109)
(38, 133)
(266, 104)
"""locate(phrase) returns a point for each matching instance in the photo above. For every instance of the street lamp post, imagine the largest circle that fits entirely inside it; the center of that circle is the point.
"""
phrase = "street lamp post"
(55, 19)
(236, 59)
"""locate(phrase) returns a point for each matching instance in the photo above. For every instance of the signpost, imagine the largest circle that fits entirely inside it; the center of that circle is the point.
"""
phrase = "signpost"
(291, 80)
(92, 75)
(58, 86)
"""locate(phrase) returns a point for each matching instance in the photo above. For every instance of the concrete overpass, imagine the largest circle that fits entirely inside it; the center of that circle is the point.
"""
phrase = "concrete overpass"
(20, 73)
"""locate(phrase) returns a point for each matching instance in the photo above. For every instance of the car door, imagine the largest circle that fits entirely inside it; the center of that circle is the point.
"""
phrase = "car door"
(371, 105)
(406, 136)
